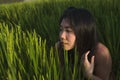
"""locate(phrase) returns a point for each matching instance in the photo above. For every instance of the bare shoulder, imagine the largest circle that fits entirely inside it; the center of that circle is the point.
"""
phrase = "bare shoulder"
(102, 54)
(103, 62)
(102, 51)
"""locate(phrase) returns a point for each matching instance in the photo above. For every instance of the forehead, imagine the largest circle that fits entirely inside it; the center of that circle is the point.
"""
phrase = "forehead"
(65, 23)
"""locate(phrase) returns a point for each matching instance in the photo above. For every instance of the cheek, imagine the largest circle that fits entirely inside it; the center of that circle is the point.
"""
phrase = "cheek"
(72, 38)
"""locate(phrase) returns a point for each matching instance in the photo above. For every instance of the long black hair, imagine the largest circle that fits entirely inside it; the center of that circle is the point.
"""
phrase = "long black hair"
(84, 25)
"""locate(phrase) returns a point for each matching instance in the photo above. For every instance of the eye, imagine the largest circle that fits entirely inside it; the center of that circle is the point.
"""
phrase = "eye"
(69, 30)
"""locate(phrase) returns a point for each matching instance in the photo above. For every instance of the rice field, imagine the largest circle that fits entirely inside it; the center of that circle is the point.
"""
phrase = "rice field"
(29, 30)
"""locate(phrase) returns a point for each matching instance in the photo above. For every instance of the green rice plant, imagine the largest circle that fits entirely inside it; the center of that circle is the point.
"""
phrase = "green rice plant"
(16, 63)
(29, 29)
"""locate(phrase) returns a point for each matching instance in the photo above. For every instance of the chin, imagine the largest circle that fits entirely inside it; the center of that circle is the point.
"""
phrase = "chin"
(66, 48)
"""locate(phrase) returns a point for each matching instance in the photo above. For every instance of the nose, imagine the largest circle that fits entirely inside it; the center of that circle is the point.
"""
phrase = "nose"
(62, 35)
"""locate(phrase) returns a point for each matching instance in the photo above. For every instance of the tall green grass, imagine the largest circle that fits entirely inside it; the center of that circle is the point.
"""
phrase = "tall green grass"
(29, 30)
(23, 56)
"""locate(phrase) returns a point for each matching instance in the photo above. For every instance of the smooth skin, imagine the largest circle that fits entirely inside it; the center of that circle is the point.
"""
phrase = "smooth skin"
(67, 36)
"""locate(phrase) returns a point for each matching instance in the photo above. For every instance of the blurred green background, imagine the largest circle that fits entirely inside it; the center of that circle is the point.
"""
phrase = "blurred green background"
(26, 27)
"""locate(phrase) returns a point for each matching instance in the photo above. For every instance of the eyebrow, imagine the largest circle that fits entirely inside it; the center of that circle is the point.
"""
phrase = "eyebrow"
(66, 26)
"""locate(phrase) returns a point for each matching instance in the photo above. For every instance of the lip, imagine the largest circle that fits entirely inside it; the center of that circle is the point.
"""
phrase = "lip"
(64, 43)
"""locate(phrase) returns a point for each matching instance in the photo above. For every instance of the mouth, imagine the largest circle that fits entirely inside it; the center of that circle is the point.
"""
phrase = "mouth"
(64, 43)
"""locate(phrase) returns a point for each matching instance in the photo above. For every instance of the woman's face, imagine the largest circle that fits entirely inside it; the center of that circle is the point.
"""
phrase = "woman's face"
(67, 35)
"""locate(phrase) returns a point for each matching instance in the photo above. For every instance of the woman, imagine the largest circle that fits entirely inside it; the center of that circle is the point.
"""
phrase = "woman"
(78, 30)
